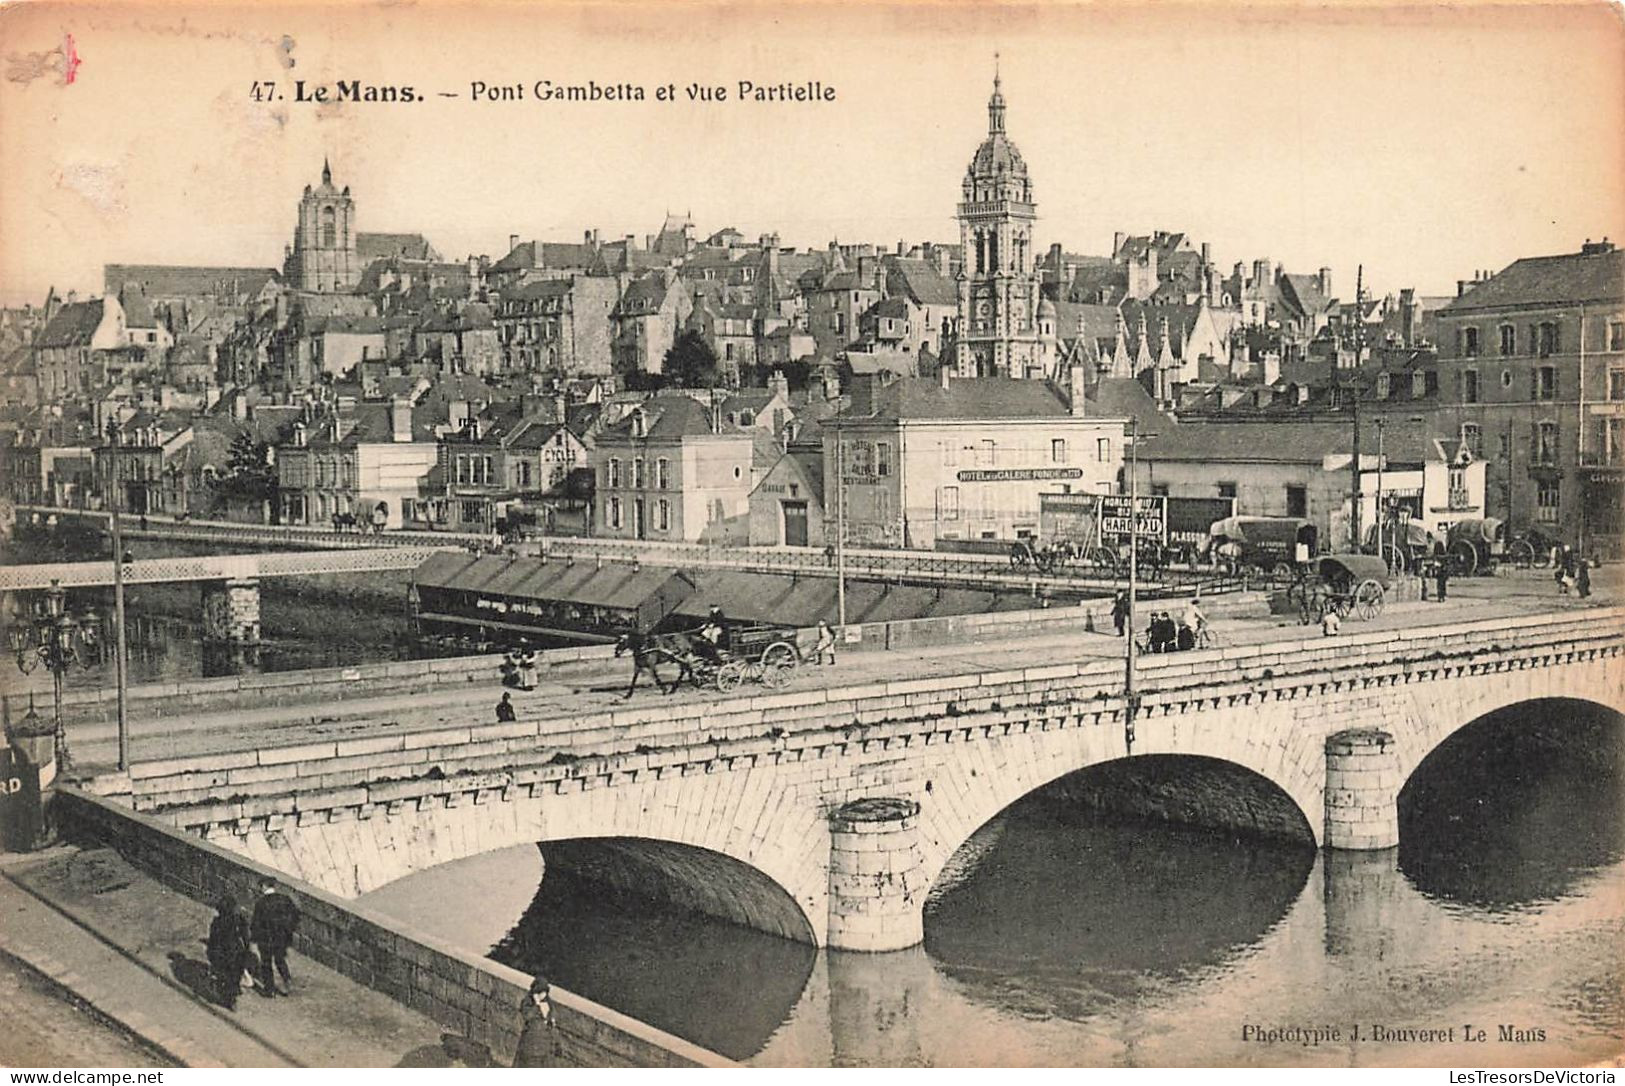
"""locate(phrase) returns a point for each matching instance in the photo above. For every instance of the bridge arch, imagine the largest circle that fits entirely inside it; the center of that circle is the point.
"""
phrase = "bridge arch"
(1220, 791)
(689, 845)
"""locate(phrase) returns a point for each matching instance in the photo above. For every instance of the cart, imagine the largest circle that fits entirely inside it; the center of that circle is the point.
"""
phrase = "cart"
(1405, 544)
(1349, 584)
(1476, 546)
(1263, 548)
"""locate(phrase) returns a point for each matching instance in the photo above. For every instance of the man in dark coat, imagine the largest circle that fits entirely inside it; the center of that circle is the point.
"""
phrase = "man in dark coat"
(1120, 612)
(228, 950)
(539, 1041)
(505, 711)
(273, 924)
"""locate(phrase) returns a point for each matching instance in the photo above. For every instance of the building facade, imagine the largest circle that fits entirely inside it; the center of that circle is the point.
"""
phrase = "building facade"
(1532, 373)
(921, 460)
(669, 471)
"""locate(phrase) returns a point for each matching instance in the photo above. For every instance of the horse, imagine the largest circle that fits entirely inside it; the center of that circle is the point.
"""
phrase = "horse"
(344, 522)
(649, 651)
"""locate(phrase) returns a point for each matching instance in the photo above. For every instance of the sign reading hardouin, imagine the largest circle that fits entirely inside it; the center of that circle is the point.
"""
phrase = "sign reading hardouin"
(1017, 475)
(1149, 522)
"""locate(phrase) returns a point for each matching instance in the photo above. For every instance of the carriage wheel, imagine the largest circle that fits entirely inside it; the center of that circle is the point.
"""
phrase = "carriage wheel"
(780, 654)
(777, 676)
(1521, 554)
(1463, 558)
(1020, 555)
(1395, 558)
(730, 675)
(1368, 598)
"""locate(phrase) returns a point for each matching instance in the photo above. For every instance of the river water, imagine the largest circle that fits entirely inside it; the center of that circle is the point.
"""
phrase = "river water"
(1066, 936)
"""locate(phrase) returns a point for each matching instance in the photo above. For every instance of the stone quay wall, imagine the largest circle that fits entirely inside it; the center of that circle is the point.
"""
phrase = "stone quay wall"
(473, 996)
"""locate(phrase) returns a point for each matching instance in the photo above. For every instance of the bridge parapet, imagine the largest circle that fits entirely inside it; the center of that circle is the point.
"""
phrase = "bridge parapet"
(758, 778)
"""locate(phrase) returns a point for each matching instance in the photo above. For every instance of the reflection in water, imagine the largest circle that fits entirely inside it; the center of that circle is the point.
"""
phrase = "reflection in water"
(1067, 912)
(1063, 938)
(719, 985)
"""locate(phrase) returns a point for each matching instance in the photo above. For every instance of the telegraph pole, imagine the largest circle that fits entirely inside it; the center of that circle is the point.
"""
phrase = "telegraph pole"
(1354, 385)
(840, 530)
(120, 677)
(1131, 697)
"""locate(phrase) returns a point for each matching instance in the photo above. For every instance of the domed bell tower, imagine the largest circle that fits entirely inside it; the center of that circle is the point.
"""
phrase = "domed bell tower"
(998, 290)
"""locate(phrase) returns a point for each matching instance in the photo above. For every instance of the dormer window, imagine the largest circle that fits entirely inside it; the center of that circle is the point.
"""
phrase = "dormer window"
(640, 424)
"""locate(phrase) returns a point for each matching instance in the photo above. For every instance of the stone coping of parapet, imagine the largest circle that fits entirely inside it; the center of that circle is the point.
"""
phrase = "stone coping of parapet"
(480, 757)
(1300, 654)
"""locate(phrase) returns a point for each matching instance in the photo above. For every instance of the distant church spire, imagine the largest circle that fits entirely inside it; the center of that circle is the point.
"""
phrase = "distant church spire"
(995, 104)
(327, 172)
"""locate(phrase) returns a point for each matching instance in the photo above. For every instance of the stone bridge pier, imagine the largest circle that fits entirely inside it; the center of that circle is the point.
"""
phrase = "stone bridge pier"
(231, 611)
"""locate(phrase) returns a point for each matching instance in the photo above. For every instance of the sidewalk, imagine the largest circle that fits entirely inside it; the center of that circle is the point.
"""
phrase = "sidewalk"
(134, 950)
(600, 687)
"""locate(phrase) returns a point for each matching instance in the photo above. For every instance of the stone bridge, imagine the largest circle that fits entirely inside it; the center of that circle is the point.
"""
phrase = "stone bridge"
(826, 815)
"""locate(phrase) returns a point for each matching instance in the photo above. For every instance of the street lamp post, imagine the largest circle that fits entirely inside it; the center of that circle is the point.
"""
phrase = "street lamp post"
(1131, 695)
(51, 638)
(1378, 512)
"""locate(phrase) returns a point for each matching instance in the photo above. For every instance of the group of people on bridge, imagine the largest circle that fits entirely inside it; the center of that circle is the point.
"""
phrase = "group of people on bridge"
(1163, 633)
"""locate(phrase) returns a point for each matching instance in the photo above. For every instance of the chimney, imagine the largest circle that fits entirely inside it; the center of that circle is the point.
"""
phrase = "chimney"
(513, 242)
(1117, 243)
(1461, 287)
(1078, 405)
(400, 420)
(862, 391)
(866, 271)
(780, 384)
(1261, 272)
(1325, 277)
(592, 237)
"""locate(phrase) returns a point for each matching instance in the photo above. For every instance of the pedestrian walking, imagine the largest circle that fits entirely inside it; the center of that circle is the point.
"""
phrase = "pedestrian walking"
(505, 711)
(1330, 623)
(1582, 579)
(272, 927)
(527, 669)
(1441, 580)
(227, 950)
(1120, 611)
(539, 1041)
(825, 644)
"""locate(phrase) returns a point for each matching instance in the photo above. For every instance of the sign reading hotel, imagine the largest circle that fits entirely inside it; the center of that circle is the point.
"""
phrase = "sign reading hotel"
(1018, 475)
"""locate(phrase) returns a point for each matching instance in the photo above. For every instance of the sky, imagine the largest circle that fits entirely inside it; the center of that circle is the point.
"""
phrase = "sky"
(1423, 143)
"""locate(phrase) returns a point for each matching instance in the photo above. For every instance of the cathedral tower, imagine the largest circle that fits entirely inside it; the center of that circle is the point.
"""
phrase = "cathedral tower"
(998, 286)
(323, 257)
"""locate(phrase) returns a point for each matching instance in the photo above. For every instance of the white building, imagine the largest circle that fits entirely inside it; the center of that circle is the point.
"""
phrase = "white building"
(961, 458)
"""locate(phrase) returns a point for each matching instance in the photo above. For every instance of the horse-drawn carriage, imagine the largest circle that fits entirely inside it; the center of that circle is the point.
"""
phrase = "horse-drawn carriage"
(766, 654)
(1349, 584)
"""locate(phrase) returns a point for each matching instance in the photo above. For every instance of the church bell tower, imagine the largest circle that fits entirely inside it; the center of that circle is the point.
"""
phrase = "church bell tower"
(998, 333)
(323, 256)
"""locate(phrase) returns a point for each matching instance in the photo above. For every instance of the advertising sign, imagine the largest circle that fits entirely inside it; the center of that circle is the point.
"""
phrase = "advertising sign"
(1017, 475)
(1150, 519)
